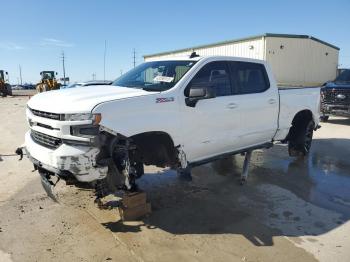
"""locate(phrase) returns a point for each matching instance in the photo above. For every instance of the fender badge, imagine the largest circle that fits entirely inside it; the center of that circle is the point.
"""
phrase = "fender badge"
(165, 99)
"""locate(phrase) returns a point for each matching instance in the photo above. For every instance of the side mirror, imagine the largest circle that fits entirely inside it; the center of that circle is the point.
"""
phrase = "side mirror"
(199, 92)
(56, 73)
(6, 73)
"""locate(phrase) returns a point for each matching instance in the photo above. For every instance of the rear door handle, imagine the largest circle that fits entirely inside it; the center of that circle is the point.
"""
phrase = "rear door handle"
(272, 101)
(232, 106)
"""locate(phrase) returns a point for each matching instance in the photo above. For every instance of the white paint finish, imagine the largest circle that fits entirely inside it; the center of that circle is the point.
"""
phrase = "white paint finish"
(81, 99)
(301, 61)
(305, 98)
(211, 128)
(134, 116)
(80, 160)
(260, 113)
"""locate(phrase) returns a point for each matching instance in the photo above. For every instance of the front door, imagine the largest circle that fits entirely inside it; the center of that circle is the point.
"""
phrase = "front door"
(209, 123)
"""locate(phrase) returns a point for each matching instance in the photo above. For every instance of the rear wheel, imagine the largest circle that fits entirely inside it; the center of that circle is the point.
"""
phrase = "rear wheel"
(300, 141)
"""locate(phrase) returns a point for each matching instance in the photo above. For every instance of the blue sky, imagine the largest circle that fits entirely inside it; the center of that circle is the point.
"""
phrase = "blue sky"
(34, 33)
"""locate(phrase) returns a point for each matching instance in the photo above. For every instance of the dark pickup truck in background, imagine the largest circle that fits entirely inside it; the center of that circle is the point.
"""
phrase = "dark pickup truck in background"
(335, 96)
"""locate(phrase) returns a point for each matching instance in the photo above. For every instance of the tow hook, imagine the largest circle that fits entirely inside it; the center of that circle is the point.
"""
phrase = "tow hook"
(19, 151)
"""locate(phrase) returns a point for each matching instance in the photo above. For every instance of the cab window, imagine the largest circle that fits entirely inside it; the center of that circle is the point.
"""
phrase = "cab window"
(215, 75)
(249, 77)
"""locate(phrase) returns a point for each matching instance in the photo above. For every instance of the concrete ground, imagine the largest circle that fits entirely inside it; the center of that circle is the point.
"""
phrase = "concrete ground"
(290, 210)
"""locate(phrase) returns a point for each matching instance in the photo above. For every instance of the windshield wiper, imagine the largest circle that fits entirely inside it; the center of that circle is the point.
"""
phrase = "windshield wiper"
(150, 89)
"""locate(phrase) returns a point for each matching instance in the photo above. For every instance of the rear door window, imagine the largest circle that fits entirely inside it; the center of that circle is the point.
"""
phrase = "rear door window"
(249, 77)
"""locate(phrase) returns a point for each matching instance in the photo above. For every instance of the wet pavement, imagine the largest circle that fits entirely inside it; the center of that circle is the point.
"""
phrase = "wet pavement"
(307, 199)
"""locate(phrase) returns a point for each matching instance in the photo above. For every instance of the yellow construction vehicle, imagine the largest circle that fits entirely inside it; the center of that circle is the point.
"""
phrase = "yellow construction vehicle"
(5, 87)
(48, 82)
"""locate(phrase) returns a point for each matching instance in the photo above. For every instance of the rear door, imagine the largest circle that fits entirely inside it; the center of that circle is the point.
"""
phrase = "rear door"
(257, 102)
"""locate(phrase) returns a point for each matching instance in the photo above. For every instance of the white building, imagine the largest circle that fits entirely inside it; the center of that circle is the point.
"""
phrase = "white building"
(298, 60)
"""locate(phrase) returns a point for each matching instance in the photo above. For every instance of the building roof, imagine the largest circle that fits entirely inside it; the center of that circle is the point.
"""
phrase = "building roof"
(242, 40)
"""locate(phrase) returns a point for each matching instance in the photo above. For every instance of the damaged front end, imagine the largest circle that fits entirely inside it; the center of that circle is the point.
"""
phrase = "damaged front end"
(108, 162)
(79, 150)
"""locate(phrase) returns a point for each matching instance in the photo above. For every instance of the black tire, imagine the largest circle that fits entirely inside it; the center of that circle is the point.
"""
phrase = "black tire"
(300, 141)
(324, 118)
(9, 90)
(139, 169)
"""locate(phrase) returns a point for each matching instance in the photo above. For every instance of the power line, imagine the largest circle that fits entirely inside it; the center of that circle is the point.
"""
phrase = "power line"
(104, 62)
(134, 57)
(64, 68)
(20, 73)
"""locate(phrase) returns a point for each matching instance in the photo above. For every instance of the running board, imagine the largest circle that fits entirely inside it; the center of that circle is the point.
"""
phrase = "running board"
(241, 151)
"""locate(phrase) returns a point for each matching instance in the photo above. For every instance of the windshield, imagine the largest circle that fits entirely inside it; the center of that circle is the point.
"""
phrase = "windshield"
(344, 76)
(74, 85)
(1, 75)
(48, 75)
(155, 76)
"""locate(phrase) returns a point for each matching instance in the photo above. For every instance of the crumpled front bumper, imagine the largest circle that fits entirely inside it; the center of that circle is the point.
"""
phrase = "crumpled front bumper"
(78, 160)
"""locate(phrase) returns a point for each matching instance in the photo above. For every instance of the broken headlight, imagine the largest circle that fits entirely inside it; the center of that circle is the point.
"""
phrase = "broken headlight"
(85, 130)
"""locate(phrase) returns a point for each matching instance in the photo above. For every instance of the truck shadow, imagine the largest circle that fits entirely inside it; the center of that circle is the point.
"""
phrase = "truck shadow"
(283, 197)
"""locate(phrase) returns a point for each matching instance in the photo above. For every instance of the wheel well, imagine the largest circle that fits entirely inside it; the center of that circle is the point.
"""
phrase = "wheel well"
(300, 120)
(155, 148)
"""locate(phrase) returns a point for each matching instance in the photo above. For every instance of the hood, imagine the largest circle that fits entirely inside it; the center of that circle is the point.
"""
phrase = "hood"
(81, 99)
(331, 85)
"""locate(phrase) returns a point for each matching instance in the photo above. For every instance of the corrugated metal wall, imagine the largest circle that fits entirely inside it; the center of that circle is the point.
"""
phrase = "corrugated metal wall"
(301, 61)
(250, 49)
(294, 61)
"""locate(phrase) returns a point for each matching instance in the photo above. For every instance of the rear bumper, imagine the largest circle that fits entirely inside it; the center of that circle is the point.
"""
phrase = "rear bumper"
(78, 160)
(332, 109)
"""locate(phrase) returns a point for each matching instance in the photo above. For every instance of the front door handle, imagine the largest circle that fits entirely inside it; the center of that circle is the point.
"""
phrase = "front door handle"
(232, 106)
(272, 101)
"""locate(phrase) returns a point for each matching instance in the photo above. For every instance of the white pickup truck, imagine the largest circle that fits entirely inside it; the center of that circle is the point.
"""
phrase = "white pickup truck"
(175, 113)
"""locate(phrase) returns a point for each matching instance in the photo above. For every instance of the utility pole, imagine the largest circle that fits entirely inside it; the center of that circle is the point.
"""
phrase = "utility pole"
(20, 73)
(93, 76)
(134, 57)
(64, 68)
(104, 62)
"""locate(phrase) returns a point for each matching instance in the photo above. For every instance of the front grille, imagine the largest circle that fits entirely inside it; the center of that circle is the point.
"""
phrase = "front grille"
(45, 140)
(330, 96)
(45, 114)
